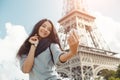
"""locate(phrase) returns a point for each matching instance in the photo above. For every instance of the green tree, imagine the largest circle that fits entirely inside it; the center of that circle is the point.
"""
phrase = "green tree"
(107, 73)
(118, 72)
(113, 78)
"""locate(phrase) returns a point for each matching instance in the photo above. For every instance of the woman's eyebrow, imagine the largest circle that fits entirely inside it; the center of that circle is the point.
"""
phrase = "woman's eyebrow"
(44, 24)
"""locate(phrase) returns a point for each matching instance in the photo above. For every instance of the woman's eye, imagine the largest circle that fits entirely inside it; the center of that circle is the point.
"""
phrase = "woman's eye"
(43, 26)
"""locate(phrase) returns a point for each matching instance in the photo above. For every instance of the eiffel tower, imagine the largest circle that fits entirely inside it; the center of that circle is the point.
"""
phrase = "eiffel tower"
(94, 54)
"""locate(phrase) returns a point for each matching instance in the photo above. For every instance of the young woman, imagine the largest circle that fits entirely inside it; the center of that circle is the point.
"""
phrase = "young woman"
(35, 53)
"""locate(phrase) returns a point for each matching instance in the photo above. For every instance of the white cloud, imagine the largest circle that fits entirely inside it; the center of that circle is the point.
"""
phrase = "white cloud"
(9, 45)
(14, 38)
(110, 30)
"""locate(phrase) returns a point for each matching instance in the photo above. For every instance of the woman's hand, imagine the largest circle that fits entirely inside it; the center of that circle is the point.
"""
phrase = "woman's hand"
(73, 41)
(34, 40)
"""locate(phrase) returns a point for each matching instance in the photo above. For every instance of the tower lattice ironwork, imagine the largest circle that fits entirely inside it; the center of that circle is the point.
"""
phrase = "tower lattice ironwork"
(94, 54)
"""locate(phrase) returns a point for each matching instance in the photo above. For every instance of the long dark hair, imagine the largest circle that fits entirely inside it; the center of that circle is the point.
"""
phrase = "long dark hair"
(53, 38)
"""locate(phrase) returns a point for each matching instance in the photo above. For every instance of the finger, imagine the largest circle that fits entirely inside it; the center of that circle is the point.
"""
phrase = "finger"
(35, 34)
(71, 39)
(74, 36)
(34, 39)
(75, 33)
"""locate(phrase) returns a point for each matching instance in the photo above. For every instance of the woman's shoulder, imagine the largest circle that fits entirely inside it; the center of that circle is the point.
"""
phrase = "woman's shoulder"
(54, 45)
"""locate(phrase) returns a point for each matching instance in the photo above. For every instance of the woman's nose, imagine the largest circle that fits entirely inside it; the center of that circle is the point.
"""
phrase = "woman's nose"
(45, 29)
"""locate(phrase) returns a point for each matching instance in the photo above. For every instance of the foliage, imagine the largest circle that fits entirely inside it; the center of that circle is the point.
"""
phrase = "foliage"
(110, 74)
(107, 73)
(113, 78)
(117, 75)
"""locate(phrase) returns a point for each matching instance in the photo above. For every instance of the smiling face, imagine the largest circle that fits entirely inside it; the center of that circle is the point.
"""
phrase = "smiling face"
(45, 29)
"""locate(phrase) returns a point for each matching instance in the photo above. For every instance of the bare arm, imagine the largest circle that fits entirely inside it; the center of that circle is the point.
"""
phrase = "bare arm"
(29, 61)
(66, 56)
(73, 42)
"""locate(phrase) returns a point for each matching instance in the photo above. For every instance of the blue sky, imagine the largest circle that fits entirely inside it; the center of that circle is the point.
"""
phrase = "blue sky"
(17, 18)
(28, 12)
